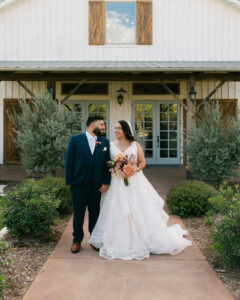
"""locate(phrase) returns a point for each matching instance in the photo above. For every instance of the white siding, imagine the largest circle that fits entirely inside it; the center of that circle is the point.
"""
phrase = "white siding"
(185, 30)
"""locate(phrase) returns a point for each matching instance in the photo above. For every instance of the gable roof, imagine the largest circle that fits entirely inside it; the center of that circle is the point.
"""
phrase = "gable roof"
(5, 3)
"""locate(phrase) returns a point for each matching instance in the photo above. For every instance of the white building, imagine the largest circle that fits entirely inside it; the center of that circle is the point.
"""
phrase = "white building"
(156, 50)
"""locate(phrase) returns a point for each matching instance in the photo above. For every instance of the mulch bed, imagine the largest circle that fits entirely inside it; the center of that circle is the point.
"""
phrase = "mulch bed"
(200, 233)
(28, 256)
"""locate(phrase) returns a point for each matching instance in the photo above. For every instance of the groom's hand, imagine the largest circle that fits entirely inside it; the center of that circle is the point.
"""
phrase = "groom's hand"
(103, 188)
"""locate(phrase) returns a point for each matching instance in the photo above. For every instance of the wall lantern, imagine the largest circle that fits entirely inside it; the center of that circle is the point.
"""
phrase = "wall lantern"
(193, 94)
(120, 97)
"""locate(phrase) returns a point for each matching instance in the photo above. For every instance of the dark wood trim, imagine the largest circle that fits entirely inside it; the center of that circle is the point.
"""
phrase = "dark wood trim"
(117, 76)
(6, 133)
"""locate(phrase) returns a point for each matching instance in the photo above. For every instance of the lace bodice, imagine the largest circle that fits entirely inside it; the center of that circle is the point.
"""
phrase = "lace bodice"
(114, 150)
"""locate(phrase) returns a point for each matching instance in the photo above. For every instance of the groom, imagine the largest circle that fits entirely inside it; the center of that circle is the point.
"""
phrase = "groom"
(87, 173)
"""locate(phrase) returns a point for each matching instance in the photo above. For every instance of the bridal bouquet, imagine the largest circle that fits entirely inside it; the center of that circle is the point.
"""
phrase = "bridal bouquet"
(124, 166)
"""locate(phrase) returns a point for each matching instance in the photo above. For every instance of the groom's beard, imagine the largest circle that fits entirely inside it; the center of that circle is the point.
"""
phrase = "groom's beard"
(98, 132)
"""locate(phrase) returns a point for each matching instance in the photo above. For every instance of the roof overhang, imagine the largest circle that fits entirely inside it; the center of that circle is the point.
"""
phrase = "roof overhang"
(120, 66)
(115, 71)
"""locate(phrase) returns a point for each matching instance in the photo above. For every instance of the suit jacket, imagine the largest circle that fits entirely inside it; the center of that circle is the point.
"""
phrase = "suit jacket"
(81, 166)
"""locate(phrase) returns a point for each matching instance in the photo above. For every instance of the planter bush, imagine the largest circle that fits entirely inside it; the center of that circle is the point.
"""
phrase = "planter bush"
(29, 211)
(213, 145)
(190, 198)
(224, 223)
(42, 131)
(58, 190)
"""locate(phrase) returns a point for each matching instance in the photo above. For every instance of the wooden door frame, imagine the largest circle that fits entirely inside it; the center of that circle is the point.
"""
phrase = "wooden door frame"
(5, 133)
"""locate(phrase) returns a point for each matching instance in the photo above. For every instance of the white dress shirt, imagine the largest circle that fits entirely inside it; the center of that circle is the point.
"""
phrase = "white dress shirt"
(91, 141)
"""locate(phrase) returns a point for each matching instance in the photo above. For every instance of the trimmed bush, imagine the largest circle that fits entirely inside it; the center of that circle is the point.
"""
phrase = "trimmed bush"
(213, 144)
(42, 131)
(190, 198)
(28, 211)
(224, 223)
(58, 190)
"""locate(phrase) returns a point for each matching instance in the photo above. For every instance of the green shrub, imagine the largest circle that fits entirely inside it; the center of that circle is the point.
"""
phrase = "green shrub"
(224, 223)
(4, 262)
(42, 131)
(213, 144)
(27, 210)
(190, 198)
(1, 224)
(58, 190)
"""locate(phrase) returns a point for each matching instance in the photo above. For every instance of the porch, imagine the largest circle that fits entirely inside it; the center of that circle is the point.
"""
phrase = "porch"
(157, 98)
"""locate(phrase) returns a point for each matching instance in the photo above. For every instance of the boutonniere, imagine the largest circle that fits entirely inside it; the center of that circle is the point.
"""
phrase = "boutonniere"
(98, 143)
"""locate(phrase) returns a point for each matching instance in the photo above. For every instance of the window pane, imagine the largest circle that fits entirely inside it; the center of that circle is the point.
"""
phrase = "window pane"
(148, 145)
(173, 126)
(163, 126)
(155, 89)
(148, 126)
(120, 23)
(164, 153)
(164, 135)
(173, 153)
(164, 116)
(86, 89)
(148, 153)
(164, 145)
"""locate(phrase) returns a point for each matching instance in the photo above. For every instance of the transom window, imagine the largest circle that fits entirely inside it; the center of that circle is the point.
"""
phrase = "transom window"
(120, 23)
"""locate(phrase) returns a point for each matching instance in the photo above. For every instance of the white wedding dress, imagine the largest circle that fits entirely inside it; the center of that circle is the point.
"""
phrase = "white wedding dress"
(132, 223)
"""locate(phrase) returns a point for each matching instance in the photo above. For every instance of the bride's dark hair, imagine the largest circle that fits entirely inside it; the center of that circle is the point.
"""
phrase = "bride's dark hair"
(126, 130)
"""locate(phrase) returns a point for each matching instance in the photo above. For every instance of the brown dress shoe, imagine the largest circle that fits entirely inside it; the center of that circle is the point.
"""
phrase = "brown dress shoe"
(94, 248)
(76, 247)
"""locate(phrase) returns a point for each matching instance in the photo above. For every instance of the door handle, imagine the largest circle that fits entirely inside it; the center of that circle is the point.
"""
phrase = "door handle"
(158, 141)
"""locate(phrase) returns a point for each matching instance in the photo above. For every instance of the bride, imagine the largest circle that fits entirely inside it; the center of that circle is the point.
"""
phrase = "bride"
(132, 223)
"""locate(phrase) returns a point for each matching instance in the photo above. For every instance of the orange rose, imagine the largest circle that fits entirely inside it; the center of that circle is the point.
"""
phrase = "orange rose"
(127, 170)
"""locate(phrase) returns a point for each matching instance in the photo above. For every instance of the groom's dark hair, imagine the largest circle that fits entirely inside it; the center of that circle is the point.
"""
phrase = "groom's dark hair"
(92, 119)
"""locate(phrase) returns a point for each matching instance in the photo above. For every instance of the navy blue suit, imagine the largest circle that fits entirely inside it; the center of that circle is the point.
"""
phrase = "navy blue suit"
(86, 172)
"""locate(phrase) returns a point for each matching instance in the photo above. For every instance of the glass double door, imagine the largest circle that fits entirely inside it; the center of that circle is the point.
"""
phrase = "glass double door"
(157, 129)
(90, 108)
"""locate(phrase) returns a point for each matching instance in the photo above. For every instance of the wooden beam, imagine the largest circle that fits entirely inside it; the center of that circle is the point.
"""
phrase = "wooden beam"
(73, 91)
(27, 89)
(212, 93)
(117, 76)
(175, 96)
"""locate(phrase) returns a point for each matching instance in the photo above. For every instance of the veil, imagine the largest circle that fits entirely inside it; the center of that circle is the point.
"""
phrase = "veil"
(130, 126)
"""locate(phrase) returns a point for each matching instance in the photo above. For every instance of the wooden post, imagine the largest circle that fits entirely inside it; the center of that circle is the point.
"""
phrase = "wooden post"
(190, 113)
(51, 87)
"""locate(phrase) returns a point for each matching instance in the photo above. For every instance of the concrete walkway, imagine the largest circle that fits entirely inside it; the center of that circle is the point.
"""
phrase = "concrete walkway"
(86, 276)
